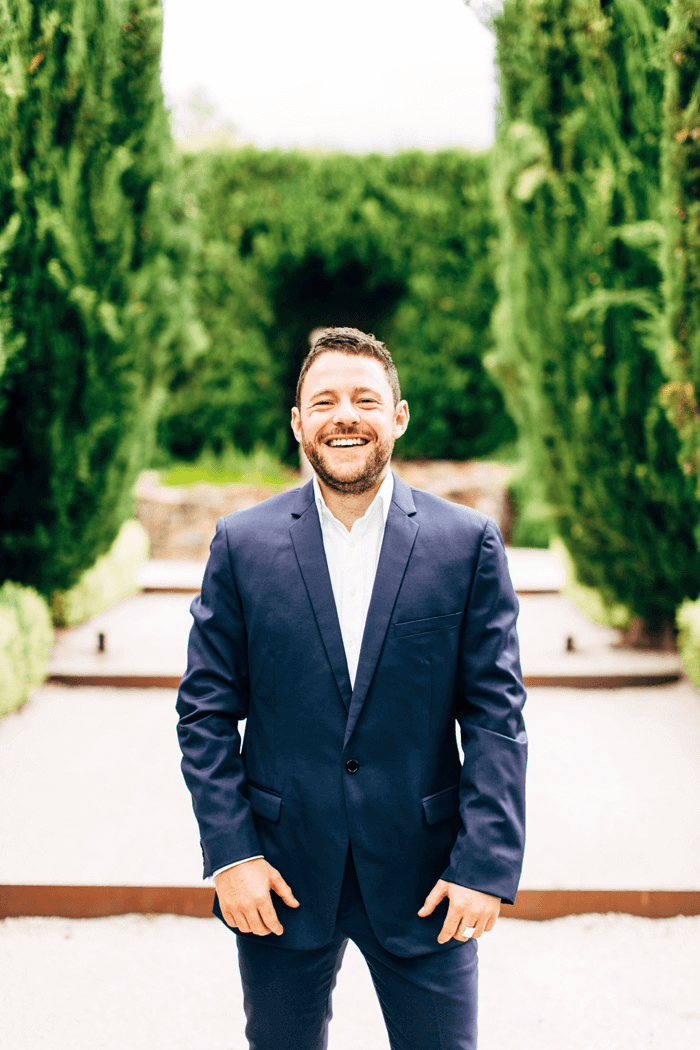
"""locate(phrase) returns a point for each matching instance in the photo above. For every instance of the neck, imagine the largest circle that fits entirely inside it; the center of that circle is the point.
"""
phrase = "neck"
(346, 507)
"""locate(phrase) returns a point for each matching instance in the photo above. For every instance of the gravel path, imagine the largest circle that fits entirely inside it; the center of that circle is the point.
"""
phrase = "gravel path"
(592, 982)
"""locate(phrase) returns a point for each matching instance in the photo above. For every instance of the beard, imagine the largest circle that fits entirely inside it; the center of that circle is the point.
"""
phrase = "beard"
(365, 475)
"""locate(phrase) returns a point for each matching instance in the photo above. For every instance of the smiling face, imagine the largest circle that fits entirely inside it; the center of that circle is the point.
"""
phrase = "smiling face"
(347, 422)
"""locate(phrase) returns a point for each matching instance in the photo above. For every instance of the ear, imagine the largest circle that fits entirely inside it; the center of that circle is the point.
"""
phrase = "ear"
(401, 417)
(296, 423)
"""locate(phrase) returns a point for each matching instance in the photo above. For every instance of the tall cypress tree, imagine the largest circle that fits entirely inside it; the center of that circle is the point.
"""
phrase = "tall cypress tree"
(680, 349)
(578, 186)
(94, 296)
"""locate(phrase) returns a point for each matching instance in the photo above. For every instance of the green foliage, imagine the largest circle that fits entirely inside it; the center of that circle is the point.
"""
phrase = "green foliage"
(395, 245)
(26, 637)
(680, 350)
(111, 578)
(94, 295)
(533, 518)
(588, 600)
(578, 194)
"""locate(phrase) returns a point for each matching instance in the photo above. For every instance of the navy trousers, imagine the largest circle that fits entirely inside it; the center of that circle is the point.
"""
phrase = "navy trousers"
(429, 1002)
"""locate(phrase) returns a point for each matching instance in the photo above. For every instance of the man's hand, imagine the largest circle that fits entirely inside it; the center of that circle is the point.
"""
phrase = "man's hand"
(244, 896)
(467, 908)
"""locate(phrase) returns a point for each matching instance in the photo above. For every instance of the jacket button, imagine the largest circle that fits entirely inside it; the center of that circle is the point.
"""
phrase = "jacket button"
(352, 765)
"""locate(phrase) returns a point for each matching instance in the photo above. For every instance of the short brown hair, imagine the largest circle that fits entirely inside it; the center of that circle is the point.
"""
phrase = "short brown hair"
(350, 341)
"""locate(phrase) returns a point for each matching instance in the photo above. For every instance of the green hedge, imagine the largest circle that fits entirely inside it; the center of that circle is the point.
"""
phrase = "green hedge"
(26, 637)
(113, 577)
(401, 246)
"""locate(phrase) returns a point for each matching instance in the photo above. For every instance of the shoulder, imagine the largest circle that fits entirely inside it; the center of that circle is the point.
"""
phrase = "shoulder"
(276, 510)
(434, 511)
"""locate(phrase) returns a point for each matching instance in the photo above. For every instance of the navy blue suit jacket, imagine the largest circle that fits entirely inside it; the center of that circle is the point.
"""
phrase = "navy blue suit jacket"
(439, 645)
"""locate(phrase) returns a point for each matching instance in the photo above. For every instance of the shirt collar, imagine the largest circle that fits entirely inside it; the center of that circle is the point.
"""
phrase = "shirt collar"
(381, 500)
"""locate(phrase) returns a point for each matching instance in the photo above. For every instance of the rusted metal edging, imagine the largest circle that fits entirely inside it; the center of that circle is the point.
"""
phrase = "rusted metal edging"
(88, 902)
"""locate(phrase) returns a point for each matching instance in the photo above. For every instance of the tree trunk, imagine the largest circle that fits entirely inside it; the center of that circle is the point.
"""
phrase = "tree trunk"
(659, 633)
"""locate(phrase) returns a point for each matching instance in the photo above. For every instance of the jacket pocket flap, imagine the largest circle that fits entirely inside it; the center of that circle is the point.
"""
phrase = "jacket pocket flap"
(264, 803)
(441, 805)
(431, 623)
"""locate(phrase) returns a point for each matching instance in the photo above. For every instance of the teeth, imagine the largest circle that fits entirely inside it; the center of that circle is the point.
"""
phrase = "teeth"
(345, 442)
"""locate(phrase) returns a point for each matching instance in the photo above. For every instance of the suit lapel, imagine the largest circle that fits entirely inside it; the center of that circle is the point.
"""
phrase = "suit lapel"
(305, 532)
(399, 537)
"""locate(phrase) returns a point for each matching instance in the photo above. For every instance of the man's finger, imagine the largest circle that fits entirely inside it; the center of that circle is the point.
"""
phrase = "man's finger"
(269, 917)
(451, 924)
(475, 926)
(229, 917)
(239, 923)
(282, 889)
(433, 899)
(257, 925)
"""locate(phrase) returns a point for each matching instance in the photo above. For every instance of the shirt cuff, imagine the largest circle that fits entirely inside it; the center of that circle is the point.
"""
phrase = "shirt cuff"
(235, 864)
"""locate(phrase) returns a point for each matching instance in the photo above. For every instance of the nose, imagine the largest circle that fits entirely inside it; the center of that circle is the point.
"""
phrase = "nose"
(345, 415)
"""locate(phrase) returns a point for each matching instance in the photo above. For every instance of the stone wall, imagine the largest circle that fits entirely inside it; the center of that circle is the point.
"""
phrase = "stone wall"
(180, 522)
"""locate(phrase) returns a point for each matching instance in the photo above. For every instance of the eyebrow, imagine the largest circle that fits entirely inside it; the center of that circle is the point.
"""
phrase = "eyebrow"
(356, 391)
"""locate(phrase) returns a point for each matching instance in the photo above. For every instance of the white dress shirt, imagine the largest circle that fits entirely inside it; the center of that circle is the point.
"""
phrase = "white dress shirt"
(352, 558)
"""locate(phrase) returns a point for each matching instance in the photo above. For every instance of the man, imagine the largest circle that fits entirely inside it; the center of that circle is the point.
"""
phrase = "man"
(353, 622)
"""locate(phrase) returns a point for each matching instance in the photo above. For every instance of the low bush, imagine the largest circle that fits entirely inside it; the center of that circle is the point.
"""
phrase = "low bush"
(112, 577)
(26, 638)
(688, 623)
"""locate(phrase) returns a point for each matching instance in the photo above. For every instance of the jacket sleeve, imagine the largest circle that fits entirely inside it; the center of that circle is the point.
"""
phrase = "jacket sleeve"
(212, 699)
(488, 852)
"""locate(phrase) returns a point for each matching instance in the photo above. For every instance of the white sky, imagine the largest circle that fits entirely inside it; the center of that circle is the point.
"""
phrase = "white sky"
(357, 76)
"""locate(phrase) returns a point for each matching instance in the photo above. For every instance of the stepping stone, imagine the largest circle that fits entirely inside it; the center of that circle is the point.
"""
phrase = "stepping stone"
(535, 571)
(532, 571)
(562, 647)
(96, 818)
(173, 576)
(144, 639)
(145, 643)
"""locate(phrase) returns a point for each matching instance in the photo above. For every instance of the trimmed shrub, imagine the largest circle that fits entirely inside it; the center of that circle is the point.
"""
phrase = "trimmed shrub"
(112, 577)
(94, 299)
(578, 195)
(401, 246)
(26, 637)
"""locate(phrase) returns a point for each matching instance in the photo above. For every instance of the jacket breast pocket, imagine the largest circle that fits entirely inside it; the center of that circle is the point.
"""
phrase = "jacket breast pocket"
(264, 803)
(430, 623)
(442, 805)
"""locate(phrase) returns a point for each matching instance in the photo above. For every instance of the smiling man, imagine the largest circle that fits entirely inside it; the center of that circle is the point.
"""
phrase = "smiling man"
(355, 623)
